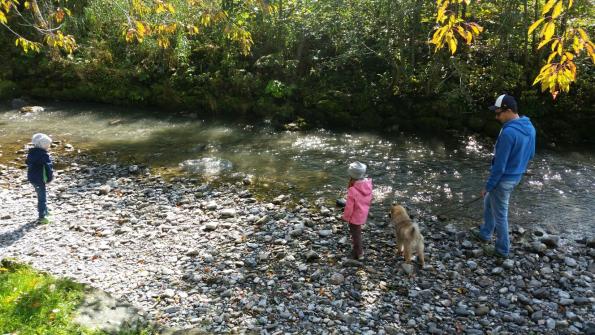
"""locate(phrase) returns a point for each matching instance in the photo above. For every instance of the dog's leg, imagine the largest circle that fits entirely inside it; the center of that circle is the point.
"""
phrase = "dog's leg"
(420, 253)
(407, 253)
(399, 250)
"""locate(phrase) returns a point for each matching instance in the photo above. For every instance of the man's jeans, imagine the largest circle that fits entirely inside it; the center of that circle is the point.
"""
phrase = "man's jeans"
(42, 208)
(495, 216)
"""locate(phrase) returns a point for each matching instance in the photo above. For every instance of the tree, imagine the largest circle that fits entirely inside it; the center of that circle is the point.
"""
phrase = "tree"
(560, 69)
(43, 21)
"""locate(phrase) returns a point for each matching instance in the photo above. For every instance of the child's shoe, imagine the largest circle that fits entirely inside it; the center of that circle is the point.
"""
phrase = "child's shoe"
(44, 220)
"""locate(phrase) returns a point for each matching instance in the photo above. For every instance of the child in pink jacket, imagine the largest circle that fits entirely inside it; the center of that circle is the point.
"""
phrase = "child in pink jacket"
(359, 197)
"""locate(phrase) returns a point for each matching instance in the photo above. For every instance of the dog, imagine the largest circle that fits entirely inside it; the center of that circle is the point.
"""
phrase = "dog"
(408, 236)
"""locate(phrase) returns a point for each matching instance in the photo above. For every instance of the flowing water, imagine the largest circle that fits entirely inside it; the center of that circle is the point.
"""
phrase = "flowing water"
(440, 176)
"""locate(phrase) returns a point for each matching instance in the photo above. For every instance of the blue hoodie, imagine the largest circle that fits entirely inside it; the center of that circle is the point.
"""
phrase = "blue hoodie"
(514, 148)
(39, 166)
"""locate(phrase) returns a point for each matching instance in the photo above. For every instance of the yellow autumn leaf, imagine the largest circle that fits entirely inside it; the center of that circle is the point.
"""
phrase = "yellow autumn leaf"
(461, 32)
(555, 44)
(551, 56)
(548, 30)
(557, 10)
(576, 45)
(590, 51)
(452, 43)
(548, 6)
(569, 55)
(469, 37)
(535, 25)
(544, 42)
(583, 34)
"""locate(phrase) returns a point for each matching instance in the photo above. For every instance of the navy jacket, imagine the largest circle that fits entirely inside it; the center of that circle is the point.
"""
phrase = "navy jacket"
(514, 148)
(39, 166)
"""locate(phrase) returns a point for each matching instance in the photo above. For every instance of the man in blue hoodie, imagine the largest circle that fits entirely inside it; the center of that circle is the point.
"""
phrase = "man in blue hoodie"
(40, 172)
(514, 148)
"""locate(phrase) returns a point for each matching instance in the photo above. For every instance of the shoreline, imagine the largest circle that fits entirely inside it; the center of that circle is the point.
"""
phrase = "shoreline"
(212, 256)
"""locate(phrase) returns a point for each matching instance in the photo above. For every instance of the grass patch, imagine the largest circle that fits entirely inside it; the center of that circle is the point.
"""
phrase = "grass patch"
(36, 303)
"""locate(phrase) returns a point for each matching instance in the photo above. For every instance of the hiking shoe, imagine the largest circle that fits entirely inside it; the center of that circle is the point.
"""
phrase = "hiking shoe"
(474, 233)
(44, 221)
(489, 250)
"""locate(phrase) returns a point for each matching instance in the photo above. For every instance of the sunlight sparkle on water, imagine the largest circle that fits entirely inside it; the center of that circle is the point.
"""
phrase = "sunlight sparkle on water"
(473, 146)
(310, 142)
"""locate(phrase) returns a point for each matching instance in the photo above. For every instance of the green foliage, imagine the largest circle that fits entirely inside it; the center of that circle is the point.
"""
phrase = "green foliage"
(8, 89)
(277, 89)
(33, 303)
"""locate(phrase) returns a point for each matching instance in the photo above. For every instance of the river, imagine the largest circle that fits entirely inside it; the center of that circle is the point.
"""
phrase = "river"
(437, 175)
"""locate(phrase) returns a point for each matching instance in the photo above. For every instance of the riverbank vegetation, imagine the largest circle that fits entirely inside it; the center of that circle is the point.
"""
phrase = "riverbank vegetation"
(34, 303)
(371, 64)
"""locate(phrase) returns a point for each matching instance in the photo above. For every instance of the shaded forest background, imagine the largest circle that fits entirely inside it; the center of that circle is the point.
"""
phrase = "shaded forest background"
(338, 64)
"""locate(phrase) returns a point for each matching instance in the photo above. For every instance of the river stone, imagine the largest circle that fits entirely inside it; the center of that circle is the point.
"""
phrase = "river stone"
(104, 189)
(312, 256)
(337, 278)
(407, 268)
(100, 312)
(552, 241)
(508, 264)
(211, 226)
(325, 233)
(538, 247)
(31, 109)
(482, 310)
(227, 213)
(570, 261)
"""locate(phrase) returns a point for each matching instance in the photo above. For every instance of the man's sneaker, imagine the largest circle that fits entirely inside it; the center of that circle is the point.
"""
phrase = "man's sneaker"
(489, 250)
(474, 233)
(44, 221)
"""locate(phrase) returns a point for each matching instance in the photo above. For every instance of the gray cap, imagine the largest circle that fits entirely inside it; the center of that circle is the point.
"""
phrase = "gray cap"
(357, 170)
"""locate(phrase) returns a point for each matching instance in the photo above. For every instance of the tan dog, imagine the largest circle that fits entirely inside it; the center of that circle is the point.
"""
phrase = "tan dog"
(408, 235)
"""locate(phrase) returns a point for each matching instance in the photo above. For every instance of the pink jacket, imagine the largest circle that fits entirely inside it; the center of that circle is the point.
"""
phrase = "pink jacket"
(359, 197)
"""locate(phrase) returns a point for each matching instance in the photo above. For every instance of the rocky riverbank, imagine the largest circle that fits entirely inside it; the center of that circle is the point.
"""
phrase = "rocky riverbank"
(197, 255)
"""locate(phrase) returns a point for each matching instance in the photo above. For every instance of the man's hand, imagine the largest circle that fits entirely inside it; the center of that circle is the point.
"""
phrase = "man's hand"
(483, 192)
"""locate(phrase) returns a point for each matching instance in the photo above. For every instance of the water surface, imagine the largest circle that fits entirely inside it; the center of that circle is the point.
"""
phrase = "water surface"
(435, 175)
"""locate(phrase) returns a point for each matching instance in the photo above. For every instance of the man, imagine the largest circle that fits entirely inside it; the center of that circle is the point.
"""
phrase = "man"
(514, 148)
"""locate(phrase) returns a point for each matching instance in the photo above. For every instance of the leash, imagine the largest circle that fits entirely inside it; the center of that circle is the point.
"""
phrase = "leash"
(458, 207)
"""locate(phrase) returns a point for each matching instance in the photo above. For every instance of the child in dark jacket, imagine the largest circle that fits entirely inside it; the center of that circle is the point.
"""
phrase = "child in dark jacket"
(40, 172)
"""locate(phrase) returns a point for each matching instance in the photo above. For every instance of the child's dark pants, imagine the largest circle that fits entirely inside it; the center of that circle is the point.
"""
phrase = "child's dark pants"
(42, 209)
(356, 240)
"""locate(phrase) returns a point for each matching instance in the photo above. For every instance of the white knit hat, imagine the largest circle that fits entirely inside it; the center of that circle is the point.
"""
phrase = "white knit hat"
(357, 170)
(40, 140)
